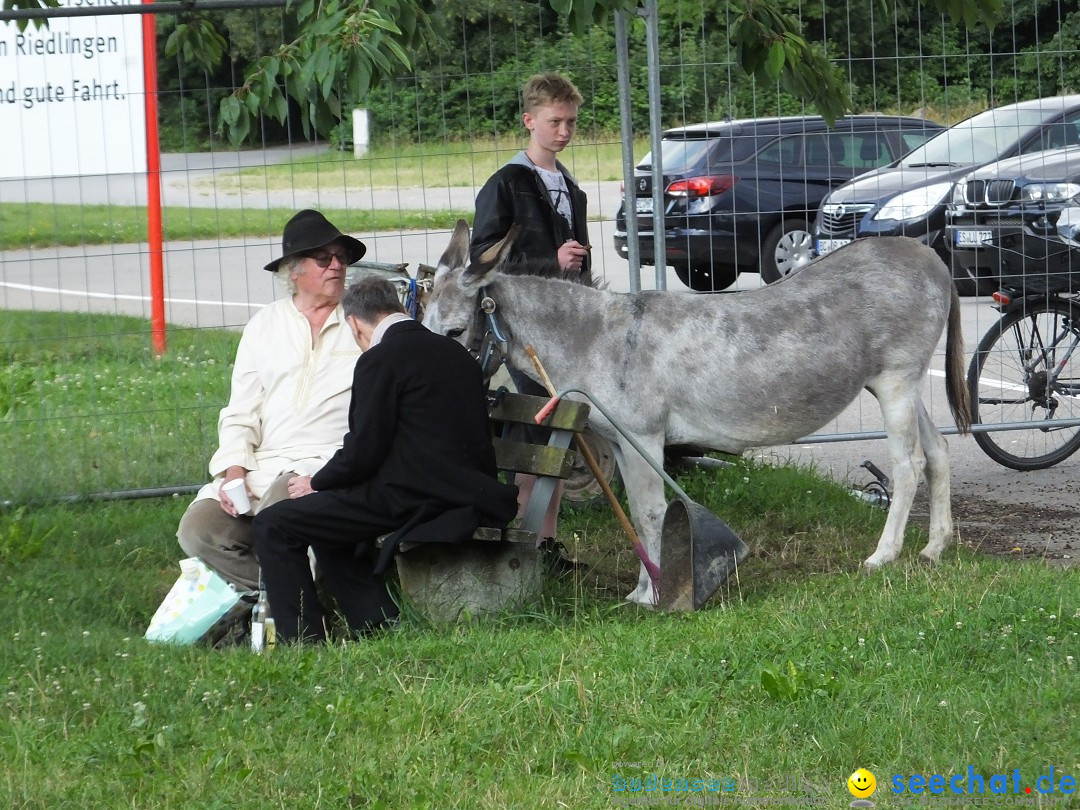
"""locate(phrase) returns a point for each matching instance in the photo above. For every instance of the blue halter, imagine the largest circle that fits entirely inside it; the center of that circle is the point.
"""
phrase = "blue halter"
(492, 349)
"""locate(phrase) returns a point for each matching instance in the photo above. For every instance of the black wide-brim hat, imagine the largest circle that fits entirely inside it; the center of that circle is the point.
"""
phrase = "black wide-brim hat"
(310, 230)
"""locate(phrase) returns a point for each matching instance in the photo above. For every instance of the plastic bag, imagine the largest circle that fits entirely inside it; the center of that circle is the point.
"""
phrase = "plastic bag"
(198, 599)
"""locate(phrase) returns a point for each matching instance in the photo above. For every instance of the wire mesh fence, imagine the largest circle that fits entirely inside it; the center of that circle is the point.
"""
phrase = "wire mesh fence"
(86, 405)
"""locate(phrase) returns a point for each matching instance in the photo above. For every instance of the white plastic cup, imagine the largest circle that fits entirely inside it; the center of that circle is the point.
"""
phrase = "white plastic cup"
(237, 492)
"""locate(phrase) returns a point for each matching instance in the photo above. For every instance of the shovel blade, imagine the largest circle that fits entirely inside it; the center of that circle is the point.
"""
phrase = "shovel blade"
(698, 551)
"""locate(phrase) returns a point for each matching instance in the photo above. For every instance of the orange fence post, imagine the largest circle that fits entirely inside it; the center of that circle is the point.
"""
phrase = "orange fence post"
(153, 184)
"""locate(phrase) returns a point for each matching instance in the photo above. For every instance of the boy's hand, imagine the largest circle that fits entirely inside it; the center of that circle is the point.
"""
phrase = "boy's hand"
(572, 254)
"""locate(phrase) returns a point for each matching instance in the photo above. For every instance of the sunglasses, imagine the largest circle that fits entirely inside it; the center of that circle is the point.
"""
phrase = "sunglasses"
(324, 257)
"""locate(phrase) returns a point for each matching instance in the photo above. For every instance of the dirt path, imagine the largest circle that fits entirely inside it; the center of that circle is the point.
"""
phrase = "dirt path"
(1021, 530)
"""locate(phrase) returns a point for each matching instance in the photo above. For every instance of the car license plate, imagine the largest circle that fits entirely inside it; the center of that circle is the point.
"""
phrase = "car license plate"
(829, 245)
(644, 205)
(972, 238)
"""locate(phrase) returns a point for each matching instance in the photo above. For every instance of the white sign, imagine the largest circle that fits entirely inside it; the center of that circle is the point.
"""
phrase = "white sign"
(71, 96)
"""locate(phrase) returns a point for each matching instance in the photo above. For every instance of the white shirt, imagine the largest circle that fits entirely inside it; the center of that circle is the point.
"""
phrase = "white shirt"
(556, 187)
(384, 324)
(289, 401)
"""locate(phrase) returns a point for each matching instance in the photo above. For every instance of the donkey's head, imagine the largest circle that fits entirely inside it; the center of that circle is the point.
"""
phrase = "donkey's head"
(454, 307)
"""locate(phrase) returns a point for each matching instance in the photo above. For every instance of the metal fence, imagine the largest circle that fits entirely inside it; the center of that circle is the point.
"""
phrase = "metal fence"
(86, 405)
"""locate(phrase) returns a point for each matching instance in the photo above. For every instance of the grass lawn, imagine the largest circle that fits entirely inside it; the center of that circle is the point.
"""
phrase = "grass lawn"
(796, 674)
(912, 671)
(85, 406)
(447, 164)
(37, 225)
(402, 165)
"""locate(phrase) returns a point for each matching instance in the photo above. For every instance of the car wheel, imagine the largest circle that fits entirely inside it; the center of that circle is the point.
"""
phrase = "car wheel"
(786, 248)
(708, 279)
(582, 488)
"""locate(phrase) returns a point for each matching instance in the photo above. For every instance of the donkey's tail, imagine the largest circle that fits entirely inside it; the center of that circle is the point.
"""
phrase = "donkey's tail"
(955, 382)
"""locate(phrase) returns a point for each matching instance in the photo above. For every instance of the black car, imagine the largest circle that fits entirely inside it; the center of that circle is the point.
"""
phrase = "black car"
(908, 197)
(740, 195)
(1002, 221)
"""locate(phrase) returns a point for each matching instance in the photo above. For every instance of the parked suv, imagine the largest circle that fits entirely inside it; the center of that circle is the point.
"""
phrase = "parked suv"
(1001, 223)
(908, 197)
(740, 195)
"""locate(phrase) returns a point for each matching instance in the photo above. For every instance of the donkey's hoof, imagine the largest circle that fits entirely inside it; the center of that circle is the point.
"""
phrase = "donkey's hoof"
(927, 558)
(643, 597)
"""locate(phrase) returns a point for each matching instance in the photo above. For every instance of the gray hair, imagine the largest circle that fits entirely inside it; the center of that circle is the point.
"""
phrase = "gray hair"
(370, 298)
(285, 269)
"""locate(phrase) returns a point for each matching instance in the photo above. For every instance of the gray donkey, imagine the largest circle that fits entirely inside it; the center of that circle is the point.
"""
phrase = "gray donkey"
(736, 371)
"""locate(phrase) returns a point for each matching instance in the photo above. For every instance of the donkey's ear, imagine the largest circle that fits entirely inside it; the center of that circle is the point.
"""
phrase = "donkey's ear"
(482, 271)
(495, 255)
(457, 252)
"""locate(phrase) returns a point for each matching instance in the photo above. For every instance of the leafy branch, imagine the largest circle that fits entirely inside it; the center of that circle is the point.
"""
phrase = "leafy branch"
(38, 22)
(343, 48)
(769, 46)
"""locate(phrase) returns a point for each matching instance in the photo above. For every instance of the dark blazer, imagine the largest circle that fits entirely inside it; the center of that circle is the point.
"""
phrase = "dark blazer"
(516, 194)
(418, 432)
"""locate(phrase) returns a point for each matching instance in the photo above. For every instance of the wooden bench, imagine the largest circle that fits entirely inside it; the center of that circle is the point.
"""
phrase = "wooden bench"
(498, 569)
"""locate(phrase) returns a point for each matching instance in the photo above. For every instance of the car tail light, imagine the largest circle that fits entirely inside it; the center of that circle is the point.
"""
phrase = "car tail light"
(706, 186)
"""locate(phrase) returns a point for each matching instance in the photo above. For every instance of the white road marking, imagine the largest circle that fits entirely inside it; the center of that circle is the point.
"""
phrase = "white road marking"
(119, 297)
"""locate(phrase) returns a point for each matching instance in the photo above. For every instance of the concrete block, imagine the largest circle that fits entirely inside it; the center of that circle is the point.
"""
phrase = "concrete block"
(446, 583)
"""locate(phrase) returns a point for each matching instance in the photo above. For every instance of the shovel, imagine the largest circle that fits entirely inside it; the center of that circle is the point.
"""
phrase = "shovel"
(698, 550)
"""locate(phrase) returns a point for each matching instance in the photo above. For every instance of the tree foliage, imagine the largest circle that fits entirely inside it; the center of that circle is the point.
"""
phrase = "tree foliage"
(457, 65)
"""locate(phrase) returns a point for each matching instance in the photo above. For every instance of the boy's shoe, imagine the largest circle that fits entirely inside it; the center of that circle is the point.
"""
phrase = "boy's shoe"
(553, 555)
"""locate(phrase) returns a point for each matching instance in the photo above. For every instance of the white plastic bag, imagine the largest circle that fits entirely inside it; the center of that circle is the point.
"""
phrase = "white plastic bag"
(198, 599)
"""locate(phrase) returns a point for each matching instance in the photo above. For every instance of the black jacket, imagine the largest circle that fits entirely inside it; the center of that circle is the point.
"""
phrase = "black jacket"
(515, 193)
(418, 432)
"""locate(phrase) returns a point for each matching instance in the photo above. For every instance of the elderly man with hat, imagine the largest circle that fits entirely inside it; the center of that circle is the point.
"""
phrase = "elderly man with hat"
(289, 401)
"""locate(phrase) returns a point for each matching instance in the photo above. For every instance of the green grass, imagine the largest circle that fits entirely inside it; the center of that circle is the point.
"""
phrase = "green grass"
(458, 163)
(448, 164)
(85, 406)
(799, 669)
(34, 225)
(913, 670)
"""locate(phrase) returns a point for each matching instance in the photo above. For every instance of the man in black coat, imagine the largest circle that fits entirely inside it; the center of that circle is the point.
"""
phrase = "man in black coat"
(418, 446)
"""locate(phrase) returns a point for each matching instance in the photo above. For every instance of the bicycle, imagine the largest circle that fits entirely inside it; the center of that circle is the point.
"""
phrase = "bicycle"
(1026, 369)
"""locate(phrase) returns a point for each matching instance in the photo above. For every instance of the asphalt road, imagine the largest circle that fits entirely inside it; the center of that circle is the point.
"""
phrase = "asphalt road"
(221, 283)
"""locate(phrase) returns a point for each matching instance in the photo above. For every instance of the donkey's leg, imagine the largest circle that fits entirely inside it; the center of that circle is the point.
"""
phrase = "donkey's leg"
(936, 450)
(645, 493)
(898, 407)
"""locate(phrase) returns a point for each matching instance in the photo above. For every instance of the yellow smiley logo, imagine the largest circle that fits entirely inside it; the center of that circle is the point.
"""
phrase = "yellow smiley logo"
(862, 784)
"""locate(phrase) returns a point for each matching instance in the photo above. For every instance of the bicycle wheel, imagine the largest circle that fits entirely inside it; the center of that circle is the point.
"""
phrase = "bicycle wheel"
(1027, 369)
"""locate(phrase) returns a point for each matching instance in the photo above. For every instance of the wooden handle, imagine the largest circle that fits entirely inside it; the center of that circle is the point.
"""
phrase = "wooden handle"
(529, 350)
(544, 412)
(598, 474)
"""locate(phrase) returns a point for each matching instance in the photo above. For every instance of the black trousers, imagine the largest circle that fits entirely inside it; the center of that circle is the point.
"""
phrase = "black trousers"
(335, 527)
